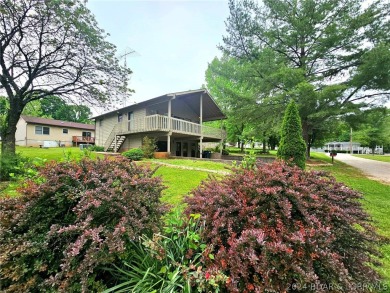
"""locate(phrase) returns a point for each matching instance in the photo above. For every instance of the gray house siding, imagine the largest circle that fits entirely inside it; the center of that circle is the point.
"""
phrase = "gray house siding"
(105, 124)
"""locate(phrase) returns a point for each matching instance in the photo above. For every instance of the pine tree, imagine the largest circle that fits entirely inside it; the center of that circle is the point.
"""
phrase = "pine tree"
(292, 146)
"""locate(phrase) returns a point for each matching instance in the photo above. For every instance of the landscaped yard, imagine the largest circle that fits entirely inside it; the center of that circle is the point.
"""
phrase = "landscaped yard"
(381, 158)
(180, 182)
(376, 200)
(53, 153)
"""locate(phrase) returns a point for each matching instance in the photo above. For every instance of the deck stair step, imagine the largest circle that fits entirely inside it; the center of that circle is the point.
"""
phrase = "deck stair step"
(120, 139)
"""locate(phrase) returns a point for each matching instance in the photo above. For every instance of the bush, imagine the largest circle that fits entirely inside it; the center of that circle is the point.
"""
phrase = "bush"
(135, 154)
(166, 262)
(148, 147)
(11, 166)
(292, 147)
(96, 148)
(61, 231)
(278, 227)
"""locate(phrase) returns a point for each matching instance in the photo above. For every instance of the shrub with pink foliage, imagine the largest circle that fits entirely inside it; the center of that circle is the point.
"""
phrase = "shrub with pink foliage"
(278, 228)
(72, 221)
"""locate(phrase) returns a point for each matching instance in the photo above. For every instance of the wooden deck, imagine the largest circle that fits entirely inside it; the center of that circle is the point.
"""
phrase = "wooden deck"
(155, 123)
(83, 139)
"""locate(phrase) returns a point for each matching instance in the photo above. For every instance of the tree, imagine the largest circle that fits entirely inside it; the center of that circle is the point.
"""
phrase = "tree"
(320, 53)
(372, 129)
(57, 108)
(33, 109)
(52, 48)
(3, 112)
(231, 83)
(292, 146)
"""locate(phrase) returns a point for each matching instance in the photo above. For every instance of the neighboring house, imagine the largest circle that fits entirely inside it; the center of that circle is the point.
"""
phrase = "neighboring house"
(356, 148)
(43, 132)
(174, 120)
(341, 146)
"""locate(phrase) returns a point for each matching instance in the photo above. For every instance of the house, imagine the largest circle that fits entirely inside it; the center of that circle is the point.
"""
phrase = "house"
(341, 146)
(345, 146)
(175, 120)
(43, 132)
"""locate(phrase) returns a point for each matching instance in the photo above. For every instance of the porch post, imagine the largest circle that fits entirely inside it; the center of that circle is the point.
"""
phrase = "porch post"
(201, 110)
(115, 143)
(222, 139)
(200, 146)
(169, 108)
(200, 123)
(169, 143)
(170, 112)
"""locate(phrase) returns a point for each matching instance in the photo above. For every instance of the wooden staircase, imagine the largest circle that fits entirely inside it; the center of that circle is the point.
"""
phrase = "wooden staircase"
(115, 146)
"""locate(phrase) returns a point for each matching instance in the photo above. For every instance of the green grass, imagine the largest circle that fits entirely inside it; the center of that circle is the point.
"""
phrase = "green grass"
(180, 183)
(234, 151)
(51, 154)
(381, 158)
(209, 165)
(376, 201)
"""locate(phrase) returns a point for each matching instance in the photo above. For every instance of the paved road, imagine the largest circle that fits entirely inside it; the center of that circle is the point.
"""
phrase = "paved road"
(373, 169)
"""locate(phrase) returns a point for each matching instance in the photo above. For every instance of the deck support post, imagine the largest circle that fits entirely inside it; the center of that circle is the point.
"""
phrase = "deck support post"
(115, 141)
(169, 143)
(170, 113)
(201, 111)
(201, 126)
(222, 139)
(200, 147)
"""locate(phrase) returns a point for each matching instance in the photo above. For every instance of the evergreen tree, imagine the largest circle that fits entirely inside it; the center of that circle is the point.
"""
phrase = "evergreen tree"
(292, 146)
(331, 57)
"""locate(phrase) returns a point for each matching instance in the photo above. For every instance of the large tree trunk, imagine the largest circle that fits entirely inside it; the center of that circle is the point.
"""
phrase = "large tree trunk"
(9, 129)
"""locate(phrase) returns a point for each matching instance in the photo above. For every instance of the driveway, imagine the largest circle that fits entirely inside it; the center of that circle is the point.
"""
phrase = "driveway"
(373, 169)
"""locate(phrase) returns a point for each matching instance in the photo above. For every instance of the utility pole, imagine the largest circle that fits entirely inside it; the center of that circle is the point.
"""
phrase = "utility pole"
(351, 151)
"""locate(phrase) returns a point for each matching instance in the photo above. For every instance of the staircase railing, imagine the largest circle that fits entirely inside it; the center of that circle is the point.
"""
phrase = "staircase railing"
(110, 138)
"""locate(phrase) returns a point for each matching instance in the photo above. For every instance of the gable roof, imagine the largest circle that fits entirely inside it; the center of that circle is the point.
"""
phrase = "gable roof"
(211, 111)
(59, 123)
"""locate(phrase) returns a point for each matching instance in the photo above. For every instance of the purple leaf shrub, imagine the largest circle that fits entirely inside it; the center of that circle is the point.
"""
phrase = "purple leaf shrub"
(77, 218)
(278, 228)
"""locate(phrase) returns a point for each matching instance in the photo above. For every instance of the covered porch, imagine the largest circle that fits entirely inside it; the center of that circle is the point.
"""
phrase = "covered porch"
(176, 120)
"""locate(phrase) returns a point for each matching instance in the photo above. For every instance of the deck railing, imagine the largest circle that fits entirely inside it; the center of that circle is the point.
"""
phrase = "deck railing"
(164, 123)
(80, 139)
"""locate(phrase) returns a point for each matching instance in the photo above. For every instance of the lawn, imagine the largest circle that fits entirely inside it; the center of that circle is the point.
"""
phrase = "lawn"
(181, 181)
(56, 154)
(381, 158)
(376, 201)
(198, 164)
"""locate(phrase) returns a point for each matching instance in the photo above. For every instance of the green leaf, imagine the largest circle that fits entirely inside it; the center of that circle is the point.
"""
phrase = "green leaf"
(163, 270)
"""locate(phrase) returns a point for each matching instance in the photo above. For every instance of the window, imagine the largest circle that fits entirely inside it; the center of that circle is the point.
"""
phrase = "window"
(65, 131)
(101, 122)
(120, 116)
(42, 130)
(86, 134)
(130, 116)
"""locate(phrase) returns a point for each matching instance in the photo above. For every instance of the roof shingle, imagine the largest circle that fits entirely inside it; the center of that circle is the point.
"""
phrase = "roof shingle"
(60, 123)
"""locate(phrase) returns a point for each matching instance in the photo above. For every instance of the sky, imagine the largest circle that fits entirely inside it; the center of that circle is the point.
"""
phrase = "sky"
(173, 41)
